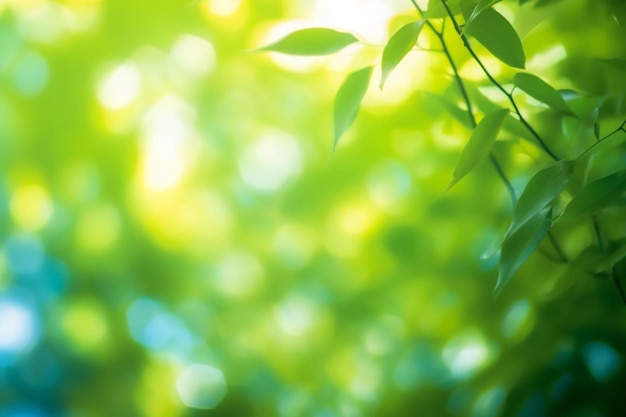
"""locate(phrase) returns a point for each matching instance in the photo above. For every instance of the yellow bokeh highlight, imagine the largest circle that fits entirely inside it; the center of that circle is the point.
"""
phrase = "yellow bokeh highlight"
(85, 327)
(156, 395)
(98, 228)
(172, 219)
(31, 207)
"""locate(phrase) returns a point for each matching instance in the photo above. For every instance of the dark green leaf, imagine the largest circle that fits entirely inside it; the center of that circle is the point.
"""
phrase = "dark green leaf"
(616, 253)
(496, 34)
(518, 246)
(596, 130)
(588, 259)
(312, 41)
(541, 91)
(479, 144)
(348, 100)
(542, 188)
(597, 195)
(398, 46)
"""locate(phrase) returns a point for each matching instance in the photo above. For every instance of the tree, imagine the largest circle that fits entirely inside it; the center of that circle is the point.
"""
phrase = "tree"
(183, 234)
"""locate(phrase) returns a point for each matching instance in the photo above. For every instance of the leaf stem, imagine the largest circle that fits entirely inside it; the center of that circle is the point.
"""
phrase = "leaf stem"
(557, 247)
(614, 276)
(495, 82)
(618, 284)
(596, 228)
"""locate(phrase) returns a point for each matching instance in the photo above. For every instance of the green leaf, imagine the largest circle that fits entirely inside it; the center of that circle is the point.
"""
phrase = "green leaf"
(348, 100)
(518, 246)
(541, 91)
(496, 34)
(311, 41)
(398, 46)
(615, 255)
(596, 130)
(481, 6)
(597, 195)
(588, 259)
(542, 188)
(435, 9)
(479, 144)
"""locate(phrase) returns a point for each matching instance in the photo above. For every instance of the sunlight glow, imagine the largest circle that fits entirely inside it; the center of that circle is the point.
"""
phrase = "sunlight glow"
(120, 87)
(367, 19)
(97, 229)
(18, 327)
(388, 184)
(31, 207)
(271, 162)
(238, 274)
(193, 56)
(201, 386)
(224, 8)
(85, 326)
(466, 354)
(296, 316)
(167, 131)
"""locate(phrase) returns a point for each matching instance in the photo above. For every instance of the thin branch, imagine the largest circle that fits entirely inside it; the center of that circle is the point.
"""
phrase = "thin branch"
(466, 99)
(596, 228)
(557, 247)
(621, 128)
(614, 276)
(618, 284)
(504, 178)
(499, 86)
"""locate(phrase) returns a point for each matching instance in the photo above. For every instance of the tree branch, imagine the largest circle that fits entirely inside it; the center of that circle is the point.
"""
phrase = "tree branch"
(466, 99)
(495, 82)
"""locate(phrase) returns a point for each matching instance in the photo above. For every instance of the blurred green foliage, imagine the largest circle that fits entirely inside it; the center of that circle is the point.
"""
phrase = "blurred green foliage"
(177, 239)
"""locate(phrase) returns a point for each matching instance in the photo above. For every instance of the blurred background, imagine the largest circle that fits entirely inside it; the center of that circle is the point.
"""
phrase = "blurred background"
(178, 239)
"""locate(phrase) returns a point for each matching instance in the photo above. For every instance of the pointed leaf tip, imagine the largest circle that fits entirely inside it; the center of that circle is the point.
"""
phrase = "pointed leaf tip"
(541, 90)
(311, 41)
(497, 34)
(398, 46)
(479, 144)
(348, 100)
(519, 245)
(542, 188)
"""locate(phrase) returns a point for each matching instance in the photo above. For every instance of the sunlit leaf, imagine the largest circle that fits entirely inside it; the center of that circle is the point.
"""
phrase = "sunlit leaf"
(479, 144)
(348, 101)
(518, 246)
(597, 195)
(541, 91)
(436, 10)
(398, 46)
(312, 41)
(542, 188)
(481, 6)
(496, 34)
